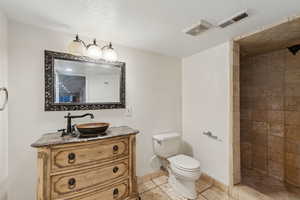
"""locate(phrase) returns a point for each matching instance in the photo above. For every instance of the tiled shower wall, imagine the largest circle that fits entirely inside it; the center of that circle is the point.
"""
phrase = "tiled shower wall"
(270, 114)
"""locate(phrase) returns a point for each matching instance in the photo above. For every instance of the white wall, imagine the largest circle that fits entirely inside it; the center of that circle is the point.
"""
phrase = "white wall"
(205, 78)
(153, 91)
(3, 114)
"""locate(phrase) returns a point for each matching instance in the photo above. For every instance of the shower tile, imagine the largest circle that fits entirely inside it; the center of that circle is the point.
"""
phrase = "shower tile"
(293, 132)
(260, 163)
(292, 174)
(292, 89)
(259, 116)
(293, 159)
(292, 76)
(276, 156)
(292, 117)
(246, 103)
(275, 116)
(246, 114)
(275, 103)
(292, 146)
(275, 143)
(276, 170)
(276, 129)
(259, 138)
(260, 127)
(291, 103)
(260, 103)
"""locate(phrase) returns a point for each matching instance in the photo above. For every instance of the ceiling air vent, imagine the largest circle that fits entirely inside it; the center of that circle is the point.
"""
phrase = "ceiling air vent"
(234, 19)
(197, 29)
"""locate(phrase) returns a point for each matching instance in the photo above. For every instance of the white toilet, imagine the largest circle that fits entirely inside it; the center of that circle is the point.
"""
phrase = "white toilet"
(183, 170)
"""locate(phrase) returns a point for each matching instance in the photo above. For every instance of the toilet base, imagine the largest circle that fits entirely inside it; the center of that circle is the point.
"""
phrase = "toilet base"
(185, 188)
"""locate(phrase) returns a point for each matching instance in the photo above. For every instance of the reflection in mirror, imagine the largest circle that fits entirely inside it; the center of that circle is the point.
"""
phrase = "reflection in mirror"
(85, 82)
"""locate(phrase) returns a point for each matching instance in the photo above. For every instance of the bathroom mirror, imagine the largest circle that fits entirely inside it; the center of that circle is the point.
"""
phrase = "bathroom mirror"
(81, 83)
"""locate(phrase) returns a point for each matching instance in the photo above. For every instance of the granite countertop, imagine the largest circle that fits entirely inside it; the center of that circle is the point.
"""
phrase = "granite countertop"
(55, 138)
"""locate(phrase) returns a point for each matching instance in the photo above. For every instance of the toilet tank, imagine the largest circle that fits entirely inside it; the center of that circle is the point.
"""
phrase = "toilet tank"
(167, 144)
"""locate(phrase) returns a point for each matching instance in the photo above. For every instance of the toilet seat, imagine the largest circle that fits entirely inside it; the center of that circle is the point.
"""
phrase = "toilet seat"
(185, 167)
(185, 163)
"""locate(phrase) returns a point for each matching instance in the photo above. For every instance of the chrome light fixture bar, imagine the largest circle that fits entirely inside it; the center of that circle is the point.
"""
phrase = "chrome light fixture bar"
(93, 50)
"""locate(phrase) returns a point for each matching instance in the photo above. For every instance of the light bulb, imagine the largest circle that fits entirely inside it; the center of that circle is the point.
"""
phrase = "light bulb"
(109, 53)
(94, 51)
(77, 47)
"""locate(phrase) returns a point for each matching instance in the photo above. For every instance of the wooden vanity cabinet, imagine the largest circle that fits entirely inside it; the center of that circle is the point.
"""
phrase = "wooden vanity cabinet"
(102, 169)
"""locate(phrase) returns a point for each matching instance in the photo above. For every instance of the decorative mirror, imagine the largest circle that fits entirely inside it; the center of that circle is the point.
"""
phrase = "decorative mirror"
(81, 83)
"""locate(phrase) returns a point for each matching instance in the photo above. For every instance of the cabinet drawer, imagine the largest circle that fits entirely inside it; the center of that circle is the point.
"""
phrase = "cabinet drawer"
(115, 192)
(81, 155)
(75, 182)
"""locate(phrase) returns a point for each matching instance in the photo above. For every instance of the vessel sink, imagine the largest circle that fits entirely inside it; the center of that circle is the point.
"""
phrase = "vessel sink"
(92, 128)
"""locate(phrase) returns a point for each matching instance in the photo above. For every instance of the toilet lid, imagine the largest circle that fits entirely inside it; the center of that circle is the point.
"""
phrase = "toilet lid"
(184, 162)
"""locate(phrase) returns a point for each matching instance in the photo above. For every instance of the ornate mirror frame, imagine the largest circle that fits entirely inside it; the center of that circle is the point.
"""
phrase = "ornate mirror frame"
(50, 104)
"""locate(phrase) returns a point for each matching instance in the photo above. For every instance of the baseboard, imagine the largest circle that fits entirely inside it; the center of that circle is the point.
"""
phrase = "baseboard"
(214, 182)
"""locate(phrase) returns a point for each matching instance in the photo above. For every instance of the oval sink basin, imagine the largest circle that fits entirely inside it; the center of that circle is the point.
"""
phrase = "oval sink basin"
(92, 128)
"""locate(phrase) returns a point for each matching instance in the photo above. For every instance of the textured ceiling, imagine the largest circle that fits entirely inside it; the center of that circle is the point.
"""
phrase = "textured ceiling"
(154, 25)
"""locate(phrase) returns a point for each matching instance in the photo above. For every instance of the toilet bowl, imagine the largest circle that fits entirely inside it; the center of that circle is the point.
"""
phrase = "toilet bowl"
(183, 170)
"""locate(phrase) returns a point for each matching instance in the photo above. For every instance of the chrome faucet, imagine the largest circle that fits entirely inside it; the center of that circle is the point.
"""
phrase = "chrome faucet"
(70, 129)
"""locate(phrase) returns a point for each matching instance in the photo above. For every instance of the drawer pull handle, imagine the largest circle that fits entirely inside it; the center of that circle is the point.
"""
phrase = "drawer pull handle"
(116, 148)
(116, 193)
(71, 158)
(115, 169)
(72, 183)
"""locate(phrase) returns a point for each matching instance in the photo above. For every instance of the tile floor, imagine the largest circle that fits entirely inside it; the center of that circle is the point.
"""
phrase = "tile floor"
(269, 186)
(159, 189)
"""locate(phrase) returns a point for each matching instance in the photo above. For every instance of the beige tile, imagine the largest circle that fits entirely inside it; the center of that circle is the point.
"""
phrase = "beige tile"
(200, 197)
(146, 186)
(160, 180)
(215, 194)
(170, 192)
(203, 185)
(145, 178)
(155, 194)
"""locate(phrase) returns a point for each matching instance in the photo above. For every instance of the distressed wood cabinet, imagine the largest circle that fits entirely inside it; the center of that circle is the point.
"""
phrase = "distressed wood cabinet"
(87, 169)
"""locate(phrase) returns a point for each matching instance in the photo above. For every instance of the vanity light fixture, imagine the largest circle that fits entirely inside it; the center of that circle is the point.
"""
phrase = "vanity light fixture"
(109, 53)
(94, 51)
(78, 47)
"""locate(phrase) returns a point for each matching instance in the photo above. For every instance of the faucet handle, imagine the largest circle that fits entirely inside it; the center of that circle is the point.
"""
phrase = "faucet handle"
(73, 128)
(63, 132)
(68, 115)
